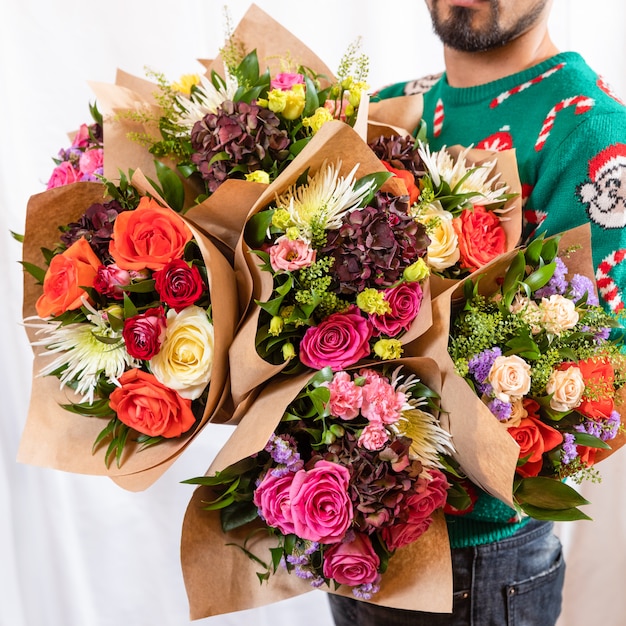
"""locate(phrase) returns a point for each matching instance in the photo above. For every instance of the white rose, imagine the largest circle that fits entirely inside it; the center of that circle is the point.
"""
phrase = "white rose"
(567, 387)
(510, 378)
(443, 250)
(185, 360)
(558, 314)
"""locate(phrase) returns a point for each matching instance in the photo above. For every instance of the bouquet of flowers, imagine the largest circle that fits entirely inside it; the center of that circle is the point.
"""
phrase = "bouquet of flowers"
(471, 212)
(532, 341)
(350, 475)
(340, 264)
(124, 319)
(83, 160)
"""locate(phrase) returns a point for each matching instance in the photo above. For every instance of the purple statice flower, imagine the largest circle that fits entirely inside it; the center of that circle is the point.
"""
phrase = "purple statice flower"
(302, 572)
(557, 284)
(602, 335)
(501, 409)
(480, 364)
(605, 430)
(283, 451)
(317, 582)
(570, 450)
(366, 590)
(297, 559)
(581, 285)
(591, 427)
(312, 547)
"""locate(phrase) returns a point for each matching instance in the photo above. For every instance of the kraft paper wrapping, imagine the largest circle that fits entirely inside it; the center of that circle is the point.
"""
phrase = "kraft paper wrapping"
(221, 579)
(485, 451)
(56, 438)
(335, 141)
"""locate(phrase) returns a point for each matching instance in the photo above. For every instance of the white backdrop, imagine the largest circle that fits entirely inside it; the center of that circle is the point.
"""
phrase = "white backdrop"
(78, 550)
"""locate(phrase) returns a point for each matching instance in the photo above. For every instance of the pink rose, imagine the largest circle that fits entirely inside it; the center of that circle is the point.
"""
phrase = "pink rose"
(286, 80)
(291, 254)
(381, 402)
(81, 139)
(345, 397)
(405, 301)
(178, 284)
(63, 174)
(144, 334)
(91, 162)
(429, 496)
(339, 341)
(374, 436)
(353, 562)
(272, 499)
(402, 534)
(320, 506)
(110, 280)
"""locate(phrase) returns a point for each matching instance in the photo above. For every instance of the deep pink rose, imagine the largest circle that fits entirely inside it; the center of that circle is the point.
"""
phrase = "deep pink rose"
(352, 563)
(91, 162)
(63, 174)
(339, 341)
(143, 334)
(286, 80)
(272, 499)
(402, 534)
(109, 281)
(381, 402)
(346, 398)
(178, 284)
(430, 496)
(291, 254)
(81, 138)
(405, 301)
(320, 506)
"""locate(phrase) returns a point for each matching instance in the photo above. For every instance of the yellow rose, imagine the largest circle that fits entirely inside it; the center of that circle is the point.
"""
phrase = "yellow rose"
(567, 387)
(185, 360)
(510, 378)
(443, 250)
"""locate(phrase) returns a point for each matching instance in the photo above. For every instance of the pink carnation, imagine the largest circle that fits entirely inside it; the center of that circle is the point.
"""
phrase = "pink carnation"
(374, 436)
(345, 397)
(381, 402)
(291, 254)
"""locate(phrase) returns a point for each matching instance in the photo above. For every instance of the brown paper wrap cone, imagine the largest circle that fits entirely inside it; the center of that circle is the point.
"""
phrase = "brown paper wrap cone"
(334, 141)
(221, 579)
(54, 437)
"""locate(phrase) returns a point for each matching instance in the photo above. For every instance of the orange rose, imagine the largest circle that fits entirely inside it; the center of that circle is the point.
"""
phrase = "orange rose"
(67, 277)
(597, 402)
(149, 407)
(151, 236)
(534, 438)
(481, 237)
(408, 179)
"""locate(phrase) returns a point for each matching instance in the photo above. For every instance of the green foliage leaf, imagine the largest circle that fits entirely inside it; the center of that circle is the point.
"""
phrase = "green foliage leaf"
(548, 493)
(36, 272)
(551, 515)
(257, 227)
(541, 276)
(238, 514)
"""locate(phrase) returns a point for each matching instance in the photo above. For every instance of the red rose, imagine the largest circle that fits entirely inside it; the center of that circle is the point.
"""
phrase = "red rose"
(143, 334)
(534, 439)
(352, 562)
(178, 284)
(402, 534)
(481, 237)
(149, 407)
(597, 401)
(110, 281)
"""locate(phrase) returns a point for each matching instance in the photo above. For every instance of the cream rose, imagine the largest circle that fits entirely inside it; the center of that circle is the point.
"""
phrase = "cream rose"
(558, 314)
(443, 250)
(567, 387)
(510, 378)
(528, 310)
(185, 359)
(518, 413)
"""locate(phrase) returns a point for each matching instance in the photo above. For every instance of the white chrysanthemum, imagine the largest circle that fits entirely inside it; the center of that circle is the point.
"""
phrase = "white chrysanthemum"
(207, 99)
(324, 200)
(87, 350)
(464, 179)
(429, 439)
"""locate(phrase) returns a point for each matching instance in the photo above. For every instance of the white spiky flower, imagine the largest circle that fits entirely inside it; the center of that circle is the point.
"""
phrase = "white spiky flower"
(86, 350)
(207, 99)
(428, 438)
(477, 180)
(324, 200)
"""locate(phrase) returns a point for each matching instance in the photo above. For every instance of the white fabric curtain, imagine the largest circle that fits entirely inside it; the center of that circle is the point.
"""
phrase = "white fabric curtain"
(78, 550)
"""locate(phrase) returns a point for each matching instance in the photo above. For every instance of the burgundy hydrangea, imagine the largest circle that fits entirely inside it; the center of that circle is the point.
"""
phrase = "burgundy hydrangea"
(400, 153)
(246, 135)
(96, 226)
(374, 245)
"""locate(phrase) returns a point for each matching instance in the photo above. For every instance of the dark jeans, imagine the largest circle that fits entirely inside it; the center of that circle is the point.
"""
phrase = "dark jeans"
(514, 582)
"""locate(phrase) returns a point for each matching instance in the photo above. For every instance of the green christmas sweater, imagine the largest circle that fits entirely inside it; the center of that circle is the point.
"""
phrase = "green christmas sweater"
(568, 130)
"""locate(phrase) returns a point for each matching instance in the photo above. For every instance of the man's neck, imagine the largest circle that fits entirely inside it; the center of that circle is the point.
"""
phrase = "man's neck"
(468, 69)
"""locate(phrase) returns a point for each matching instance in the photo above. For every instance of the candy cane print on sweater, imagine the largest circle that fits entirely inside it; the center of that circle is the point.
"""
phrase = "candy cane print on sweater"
(438, 118)
(606, 285)
(582, 104)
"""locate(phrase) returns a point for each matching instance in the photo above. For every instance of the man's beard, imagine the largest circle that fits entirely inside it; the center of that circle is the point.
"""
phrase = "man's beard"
(458, 33)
